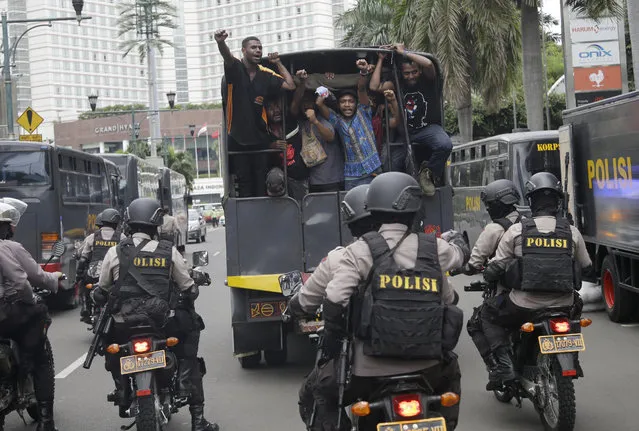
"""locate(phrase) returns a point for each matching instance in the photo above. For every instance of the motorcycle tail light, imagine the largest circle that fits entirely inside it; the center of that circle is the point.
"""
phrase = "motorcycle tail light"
(560, 326)
(141, 345)
(407, 406)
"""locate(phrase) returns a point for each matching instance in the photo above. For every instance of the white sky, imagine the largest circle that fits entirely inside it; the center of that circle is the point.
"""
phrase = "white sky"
(553, 7)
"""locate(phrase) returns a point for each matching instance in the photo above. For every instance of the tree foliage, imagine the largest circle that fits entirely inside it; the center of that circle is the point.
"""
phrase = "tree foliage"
(181, 162)
(147, 18)
(369, 23)
(112, 110)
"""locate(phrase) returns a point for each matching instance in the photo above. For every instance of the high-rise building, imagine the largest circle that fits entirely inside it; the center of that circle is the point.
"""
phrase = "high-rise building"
(58, 67)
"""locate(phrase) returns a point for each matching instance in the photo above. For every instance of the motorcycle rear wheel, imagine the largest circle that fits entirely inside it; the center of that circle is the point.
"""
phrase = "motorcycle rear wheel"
(559, 412)
(147, 418)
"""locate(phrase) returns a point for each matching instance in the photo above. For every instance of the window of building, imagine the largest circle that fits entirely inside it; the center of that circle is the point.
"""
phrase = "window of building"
(289, 35)
(299, 10)
(279, 37)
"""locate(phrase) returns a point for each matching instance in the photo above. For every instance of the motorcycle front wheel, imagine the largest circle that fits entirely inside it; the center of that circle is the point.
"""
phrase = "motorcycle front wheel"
(556, 404)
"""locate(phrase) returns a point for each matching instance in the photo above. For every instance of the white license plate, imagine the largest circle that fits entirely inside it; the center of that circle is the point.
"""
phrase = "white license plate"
(142, 362)
(432, 424)
(553, 344)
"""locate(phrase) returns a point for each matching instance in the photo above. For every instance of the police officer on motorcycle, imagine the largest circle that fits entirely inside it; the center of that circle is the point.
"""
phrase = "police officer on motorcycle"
(94, 249)
(540, 259)
(407, 269)
(21, 319)
(499, 198)
(149, 289)
(169, 229)
(321, 381)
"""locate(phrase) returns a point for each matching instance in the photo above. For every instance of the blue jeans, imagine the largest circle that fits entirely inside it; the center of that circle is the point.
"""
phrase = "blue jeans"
(432, 144)
(352, 182)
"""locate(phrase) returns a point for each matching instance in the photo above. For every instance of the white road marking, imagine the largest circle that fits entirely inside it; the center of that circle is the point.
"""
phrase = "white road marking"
(71, 368)
(216, 253)
(631, 325)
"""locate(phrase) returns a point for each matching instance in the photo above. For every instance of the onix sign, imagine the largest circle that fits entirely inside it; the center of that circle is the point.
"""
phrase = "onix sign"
(591, 54)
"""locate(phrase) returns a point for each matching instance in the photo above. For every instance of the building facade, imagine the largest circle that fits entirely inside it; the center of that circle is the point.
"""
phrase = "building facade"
(58, 67)
(116, 133)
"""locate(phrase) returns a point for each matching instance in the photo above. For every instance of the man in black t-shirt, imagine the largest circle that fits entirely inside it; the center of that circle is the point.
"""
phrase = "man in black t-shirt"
(430, 143)
(245, 87)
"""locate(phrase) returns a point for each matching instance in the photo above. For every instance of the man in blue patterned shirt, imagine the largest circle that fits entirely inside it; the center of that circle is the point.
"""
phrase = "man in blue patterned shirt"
(355, 127)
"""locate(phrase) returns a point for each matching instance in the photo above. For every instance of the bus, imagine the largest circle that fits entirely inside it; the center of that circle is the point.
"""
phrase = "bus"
(268, 236)
(65, 190)
(141, 179)
(513, 156)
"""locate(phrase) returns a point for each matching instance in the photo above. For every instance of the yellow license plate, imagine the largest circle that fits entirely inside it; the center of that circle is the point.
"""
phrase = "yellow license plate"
(552, 344)
(142, 362)
(433, 424)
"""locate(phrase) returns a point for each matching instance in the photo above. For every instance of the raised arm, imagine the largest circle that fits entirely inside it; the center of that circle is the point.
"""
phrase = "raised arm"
(362, 90)
(327, 133)
(299, 92)
(427, 66)
(393, 107)
(323, 109)
(220, 38)
(376, 83)
(288, 83)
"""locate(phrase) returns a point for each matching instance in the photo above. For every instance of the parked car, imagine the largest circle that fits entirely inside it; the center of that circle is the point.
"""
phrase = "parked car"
(222, 221)
(197, 226)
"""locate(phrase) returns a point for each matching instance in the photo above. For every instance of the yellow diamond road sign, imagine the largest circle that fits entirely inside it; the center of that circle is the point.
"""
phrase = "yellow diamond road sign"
(30, 120)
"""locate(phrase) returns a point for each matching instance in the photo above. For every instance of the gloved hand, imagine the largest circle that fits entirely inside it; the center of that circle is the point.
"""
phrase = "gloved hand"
(295, 308)
(470, 270)
(494, 271)
(99, 296)
(456, 238)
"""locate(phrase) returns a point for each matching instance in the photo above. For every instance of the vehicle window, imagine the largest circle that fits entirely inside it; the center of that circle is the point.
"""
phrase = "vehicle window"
(24, 168)
(476, 173)
(193, 215)
(532, 157)
(460, 175)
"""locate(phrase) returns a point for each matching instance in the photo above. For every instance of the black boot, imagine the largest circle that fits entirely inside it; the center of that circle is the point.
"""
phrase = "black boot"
(45, 419)
(504, 372)
(118, 397)
(198, 422)
(490, 361)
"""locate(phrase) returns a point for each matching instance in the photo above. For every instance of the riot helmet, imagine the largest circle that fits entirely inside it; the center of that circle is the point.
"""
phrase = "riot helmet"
(17, 204)
(394, 192)
(500, 198)
(354, 204)
(110, 217)
(275, 182)
(144, 212)
(544, 194)
(9, 214)
(98, 220)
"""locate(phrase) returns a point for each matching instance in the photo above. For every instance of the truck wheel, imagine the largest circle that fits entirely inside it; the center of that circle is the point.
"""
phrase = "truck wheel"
(251, 361)
(620, 303)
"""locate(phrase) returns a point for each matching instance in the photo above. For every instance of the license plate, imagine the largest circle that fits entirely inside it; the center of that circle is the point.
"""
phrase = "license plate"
(266, 309)
(433, 424)
(310, 326)
(142, 362)
(551, 344)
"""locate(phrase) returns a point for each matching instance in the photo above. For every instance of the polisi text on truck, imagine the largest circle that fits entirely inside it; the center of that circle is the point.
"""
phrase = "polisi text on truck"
(609, 173)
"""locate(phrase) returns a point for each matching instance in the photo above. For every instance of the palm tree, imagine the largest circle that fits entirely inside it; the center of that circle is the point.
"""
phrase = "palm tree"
(477, 42)
(183, 163)
(531, 43)
(147, 18)
(633, 26)
(369, 23)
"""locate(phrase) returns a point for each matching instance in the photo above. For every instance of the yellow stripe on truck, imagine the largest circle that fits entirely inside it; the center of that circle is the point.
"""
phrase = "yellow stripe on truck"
(264, 283)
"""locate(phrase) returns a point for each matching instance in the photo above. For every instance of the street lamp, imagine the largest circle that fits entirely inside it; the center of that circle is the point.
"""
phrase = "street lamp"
(93, 100)
(171, 96)
(78, 5)
(136, 128)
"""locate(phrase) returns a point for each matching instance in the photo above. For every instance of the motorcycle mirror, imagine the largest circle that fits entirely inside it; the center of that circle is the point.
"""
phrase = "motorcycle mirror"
(200, 258)
(58, 248)
(289, 282)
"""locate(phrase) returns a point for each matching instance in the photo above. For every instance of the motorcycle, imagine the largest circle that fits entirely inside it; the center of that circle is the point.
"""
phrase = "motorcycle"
(149, 368)
(400, 403)
(546, 361)
(17, 392)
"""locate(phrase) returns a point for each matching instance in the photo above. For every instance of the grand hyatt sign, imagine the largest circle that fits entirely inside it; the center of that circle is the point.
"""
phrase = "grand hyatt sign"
(114, 128)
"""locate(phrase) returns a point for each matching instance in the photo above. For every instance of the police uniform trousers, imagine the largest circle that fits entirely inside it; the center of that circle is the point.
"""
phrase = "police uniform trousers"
(321, 386)
(186, 326)
(25, 324)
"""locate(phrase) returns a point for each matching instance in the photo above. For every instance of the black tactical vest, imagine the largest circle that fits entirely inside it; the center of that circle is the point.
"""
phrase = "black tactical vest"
(505, 223)
(101, 245)
(402, 312)
(547, 263)
(154, 267)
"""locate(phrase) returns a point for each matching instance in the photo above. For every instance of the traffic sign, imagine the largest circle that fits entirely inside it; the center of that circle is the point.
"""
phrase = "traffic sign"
(31, 138)
(30, 120)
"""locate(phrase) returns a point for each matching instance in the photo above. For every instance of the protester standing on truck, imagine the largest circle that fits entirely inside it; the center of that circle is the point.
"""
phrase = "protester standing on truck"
(430, 143)
(355, 127)
(247, 85)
